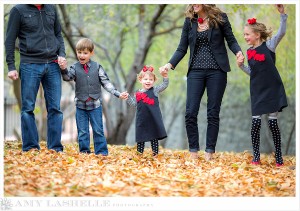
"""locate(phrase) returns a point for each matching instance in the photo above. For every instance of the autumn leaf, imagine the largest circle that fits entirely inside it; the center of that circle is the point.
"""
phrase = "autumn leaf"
(124, 172)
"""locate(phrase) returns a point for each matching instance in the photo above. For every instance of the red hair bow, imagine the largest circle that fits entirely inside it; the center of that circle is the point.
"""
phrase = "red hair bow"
(252, 21)
(148, 68)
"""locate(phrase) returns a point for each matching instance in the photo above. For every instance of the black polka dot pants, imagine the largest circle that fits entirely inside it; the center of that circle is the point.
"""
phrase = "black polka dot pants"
(255, 137)
(154, 146)
(273, 125)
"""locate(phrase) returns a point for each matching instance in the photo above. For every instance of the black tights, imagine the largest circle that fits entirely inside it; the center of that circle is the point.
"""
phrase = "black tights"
(255, 136)
(154, 146)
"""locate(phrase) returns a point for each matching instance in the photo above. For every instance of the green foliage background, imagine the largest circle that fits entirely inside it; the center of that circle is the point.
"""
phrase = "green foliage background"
(103, 23)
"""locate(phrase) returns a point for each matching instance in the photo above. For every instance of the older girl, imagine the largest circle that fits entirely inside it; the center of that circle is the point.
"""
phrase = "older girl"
(266, 87)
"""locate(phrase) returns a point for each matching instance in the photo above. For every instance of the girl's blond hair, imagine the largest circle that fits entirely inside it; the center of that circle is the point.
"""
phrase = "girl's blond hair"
(147, 70)
(213, 13)
(261, 29)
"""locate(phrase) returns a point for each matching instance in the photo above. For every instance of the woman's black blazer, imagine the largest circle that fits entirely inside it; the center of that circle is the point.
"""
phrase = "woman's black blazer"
(216, 40)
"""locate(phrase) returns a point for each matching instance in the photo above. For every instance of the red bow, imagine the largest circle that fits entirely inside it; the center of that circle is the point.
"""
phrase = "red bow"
(148, 68)
(251, 54)
(144, 97)
(256, 56)
(252, 21)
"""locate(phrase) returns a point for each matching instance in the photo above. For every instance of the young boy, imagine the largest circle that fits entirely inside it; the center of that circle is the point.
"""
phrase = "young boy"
(89, 77)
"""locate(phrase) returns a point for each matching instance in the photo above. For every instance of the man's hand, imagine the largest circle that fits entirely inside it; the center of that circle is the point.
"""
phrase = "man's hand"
(13, 74)
(62, 62)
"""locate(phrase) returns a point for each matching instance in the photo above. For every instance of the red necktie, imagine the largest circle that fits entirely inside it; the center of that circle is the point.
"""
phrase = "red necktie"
(86, 70)
(85, 67)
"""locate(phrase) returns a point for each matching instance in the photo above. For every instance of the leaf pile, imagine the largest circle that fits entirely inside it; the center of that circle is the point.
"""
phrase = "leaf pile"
(125, 173)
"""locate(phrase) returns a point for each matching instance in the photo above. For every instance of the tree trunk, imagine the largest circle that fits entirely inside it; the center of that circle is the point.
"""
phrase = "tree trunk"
(118, 135)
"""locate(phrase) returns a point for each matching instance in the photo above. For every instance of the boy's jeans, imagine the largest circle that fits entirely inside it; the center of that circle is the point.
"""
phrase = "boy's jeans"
(31, 76)
(83, 117)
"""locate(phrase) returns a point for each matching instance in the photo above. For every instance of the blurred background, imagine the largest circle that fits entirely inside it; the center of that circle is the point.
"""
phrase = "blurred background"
(129, 36)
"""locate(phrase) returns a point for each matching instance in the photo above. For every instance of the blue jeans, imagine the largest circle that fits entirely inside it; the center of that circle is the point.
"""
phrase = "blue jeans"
(214, 81)
(31, 76)
(83, 117)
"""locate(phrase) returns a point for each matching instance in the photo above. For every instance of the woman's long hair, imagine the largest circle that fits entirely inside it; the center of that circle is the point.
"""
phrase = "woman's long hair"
(213, 12)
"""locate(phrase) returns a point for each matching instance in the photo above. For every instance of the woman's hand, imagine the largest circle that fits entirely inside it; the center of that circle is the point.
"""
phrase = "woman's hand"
(164, 69)
(240, 59)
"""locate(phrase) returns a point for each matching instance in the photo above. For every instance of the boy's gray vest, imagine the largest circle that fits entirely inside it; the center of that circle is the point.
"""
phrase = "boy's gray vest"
(87, 85)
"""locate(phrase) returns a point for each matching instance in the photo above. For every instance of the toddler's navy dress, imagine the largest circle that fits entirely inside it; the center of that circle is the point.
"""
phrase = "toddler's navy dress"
(149, 123)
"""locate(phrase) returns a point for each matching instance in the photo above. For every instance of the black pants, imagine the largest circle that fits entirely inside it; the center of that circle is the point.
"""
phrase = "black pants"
(214, 81)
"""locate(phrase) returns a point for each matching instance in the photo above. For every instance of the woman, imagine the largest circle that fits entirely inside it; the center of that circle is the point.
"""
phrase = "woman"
(204, 31)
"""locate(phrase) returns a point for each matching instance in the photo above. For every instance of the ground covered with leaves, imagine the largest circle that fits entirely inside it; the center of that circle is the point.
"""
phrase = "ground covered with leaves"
(125, 173)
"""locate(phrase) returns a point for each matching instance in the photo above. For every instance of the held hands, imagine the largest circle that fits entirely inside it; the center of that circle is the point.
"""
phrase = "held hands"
(164, 70)
(164, 73)
(280, 8)
(13, 75)
(124, 95)
(240, 58)
(62, 62)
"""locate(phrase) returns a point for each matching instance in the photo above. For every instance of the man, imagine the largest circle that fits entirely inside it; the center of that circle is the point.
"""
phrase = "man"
(41, 47)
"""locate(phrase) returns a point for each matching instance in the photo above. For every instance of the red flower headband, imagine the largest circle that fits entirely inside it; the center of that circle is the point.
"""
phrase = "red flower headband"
(147, 68)
(251, 21)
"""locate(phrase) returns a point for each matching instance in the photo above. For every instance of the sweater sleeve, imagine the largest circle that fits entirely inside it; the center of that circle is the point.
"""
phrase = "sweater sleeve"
(12, 32)
(69, 75)
(246, 69)
(274, 41)
(161, 87)
(131, 101)
(106, 84)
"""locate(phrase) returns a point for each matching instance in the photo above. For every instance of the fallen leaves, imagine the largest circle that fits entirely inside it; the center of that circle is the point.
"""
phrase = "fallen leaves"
(125, 173)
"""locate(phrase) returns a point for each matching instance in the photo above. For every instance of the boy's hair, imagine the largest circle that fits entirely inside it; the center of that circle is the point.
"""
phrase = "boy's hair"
(85, 43)
(261, 29)
(147, 70)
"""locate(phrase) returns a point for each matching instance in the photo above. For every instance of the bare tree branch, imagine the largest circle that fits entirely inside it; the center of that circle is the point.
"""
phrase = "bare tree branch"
(67, 29)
